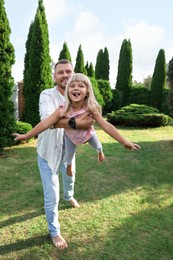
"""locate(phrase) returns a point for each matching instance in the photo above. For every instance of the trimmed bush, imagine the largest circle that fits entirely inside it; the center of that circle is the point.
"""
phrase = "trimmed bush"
(22, 127)
(138, 115)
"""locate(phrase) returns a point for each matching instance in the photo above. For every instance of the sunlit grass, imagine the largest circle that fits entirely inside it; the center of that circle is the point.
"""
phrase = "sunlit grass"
(126, 202)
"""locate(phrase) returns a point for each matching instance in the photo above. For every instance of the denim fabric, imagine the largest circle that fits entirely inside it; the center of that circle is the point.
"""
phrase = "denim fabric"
(50, 184)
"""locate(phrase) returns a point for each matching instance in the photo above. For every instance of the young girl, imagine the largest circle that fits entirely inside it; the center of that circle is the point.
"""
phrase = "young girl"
(79, 98)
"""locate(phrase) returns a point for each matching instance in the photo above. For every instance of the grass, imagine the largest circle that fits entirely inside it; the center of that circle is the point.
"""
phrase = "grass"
(126, 202)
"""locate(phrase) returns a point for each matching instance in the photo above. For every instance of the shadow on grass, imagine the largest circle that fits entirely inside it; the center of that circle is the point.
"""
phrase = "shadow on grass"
(122, 169)
(24, 244)
(147, 235)
(19, 219)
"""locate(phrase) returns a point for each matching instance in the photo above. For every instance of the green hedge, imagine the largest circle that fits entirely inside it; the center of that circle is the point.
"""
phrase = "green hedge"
(138, 115)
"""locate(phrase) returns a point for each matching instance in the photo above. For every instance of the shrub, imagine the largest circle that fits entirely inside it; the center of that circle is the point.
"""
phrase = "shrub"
(22, 127)
(138, 115)
(139, 94)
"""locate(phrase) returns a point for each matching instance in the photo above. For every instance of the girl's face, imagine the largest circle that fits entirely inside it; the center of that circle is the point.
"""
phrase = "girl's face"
(77, 91)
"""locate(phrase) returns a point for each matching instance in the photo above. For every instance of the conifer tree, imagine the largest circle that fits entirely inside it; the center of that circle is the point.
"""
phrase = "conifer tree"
(170, 80)
(158, 81)
(124, 75)
(65, 53)
(106, 92)
(91, 72)
(79, 66)
(106, 64)
(7, 120)
(99, 65)
(26, 74)
(87, 67)
(39, 69)
(102, 65)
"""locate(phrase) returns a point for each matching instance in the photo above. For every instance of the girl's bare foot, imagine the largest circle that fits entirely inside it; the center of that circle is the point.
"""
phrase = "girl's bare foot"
(101, 157)
(59, 242)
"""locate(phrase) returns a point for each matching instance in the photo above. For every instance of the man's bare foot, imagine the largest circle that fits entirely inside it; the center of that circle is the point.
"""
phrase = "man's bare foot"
(74, 203)
(59, 242)
(101, 157)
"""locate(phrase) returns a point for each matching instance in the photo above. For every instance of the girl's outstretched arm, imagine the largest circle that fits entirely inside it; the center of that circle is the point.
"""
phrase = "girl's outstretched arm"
(40, 127)
(113, 132)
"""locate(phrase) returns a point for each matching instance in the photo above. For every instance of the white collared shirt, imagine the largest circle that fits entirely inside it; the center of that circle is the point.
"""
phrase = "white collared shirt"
(50, 142)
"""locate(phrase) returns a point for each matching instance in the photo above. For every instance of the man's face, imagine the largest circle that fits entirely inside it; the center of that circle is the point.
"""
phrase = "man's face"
(62, 73)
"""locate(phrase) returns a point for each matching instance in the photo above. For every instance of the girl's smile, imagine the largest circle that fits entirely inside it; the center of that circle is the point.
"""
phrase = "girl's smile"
(77, 91)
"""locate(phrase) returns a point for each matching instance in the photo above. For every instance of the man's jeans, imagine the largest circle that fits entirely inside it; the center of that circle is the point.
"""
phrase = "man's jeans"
(50, 184)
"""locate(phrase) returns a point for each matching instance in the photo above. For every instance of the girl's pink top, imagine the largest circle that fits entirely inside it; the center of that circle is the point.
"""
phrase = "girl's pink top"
(79, 136)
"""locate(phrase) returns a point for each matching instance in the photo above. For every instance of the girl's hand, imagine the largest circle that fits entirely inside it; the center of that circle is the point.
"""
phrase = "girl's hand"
(22, 137)
(131, 146)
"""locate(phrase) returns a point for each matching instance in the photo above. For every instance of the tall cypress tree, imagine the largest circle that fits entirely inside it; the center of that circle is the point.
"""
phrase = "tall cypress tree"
(91, 72)
(102, 65)
(7, 120)
(158, 81)
(65, 53)
(170, 80)
(106, 64)
(39, 69)
(99, 65)
(124, 76)
(79, 66)
(87, 67)
(26, 74)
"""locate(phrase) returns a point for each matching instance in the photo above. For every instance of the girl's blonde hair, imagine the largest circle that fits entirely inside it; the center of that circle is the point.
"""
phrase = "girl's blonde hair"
(90, 103)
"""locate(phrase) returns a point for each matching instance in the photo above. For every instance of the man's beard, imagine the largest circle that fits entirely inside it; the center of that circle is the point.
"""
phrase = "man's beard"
(60, 85)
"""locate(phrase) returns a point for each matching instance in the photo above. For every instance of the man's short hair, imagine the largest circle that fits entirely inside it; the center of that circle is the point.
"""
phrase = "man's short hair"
(63, 61)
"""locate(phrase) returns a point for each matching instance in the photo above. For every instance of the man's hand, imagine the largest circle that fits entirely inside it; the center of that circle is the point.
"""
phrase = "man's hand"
(82, 122)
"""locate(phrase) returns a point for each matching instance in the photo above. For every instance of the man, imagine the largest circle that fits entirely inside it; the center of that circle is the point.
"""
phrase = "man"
(50, 149)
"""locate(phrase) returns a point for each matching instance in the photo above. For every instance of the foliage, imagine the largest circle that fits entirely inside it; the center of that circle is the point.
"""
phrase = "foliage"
(138, 115)
(105, 90)
(158, 81)
(87, 67)
(147, 82)
(79, 66)
(102, 65)
(90, 70)
(139, 94)
(165, 102)
(37, 65)
(106, 64)
(97, 93)
(170, 80)
(23, 127)
(99, 65)
(7, 120)
(26, 73)
(65, 53)
(116, 100)
(124, 75)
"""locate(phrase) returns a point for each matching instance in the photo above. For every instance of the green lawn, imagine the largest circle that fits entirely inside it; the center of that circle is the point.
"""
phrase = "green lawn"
(126, 202)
